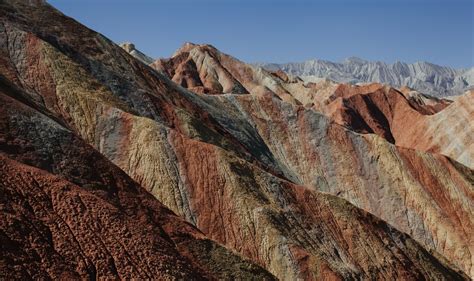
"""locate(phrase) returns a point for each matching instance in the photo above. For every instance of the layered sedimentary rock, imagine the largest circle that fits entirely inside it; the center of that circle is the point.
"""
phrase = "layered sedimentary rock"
(239, 157)
(457, 126)
(369, 108)
(407, 118)
(366, 170)
(69, 213)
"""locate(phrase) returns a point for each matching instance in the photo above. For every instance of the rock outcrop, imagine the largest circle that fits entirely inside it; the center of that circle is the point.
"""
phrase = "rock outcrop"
(97, 148)
(130, 48)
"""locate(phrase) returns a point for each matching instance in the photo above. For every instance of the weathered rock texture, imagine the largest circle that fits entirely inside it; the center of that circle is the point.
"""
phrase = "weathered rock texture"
(69, 213)
(236, 155)
(365, 170)
(407, 118)
(370, 108)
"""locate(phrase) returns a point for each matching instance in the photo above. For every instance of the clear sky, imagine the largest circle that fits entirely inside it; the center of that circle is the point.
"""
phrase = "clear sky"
(438, 31)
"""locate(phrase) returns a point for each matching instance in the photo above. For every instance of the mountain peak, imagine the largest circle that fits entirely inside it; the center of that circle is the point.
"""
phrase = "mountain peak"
(187, 46)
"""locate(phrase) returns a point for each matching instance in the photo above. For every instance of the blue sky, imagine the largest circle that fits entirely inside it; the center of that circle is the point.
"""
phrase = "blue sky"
(438, 31)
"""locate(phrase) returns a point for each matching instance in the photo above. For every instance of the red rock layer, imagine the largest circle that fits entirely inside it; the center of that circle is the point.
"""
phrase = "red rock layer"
(79, 216)
(371, 108)
(247, 170)
(407, 119)
(327, 162)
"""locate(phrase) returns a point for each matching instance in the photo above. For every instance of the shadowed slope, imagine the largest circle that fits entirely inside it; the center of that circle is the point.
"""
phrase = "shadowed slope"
(212, 160)
(79, 216)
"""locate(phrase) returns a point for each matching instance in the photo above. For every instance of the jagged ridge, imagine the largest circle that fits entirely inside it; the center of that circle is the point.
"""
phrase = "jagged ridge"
(425, 77)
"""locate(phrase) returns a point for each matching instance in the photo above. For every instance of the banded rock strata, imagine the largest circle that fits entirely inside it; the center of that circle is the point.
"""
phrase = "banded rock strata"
(279, 107)
(69, 213)
(267, 186)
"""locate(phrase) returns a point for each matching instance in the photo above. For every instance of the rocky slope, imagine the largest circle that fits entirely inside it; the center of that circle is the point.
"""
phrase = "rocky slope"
(370, 108)
(425, 77)
(265, 184)
(408, 118)
(386, 182)
(68, 213)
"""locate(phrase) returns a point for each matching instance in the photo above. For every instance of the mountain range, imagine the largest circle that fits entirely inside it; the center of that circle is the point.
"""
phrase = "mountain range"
(204, 167)
(428, 78)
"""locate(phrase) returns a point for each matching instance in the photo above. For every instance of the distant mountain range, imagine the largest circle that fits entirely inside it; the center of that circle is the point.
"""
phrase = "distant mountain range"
(424, 77)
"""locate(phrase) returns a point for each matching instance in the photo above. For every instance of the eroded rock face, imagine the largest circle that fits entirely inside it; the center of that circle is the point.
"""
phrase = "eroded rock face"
(67, 212)
(244, 166)
(370, 108)
(408, 119)
(389, 187)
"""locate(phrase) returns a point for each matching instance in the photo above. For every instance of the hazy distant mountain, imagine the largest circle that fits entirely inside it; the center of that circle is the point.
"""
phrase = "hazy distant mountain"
(422, 76)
